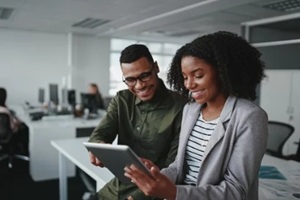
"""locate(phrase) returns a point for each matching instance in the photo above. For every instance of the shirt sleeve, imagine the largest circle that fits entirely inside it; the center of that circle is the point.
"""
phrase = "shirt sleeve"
(139, 195)
(174, 143)
(107, 129)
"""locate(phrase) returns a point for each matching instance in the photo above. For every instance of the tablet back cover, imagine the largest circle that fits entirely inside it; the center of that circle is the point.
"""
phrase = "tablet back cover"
(115, 158)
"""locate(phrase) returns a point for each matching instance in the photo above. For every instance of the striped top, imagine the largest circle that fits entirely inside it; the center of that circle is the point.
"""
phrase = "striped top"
(196, 146)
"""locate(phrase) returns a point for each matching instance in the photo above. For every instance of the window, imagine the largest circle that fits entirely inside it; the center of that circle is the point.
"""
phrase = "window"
(161, 52)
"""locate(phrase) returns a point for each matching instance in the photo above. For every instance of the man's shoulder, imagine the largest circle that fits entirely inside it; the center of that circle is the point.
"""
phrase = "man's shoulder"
(124, 92)
(124, 95)
(177, 98)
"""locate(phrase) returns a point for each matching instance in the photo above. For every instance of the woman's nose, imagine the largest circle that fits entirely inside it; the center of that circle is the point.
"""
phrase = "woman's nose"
(190, 83)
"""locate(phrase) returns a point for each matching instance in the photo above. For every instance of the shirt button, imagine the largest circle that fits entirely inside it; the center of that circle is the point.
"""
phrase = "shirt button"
(138, 128)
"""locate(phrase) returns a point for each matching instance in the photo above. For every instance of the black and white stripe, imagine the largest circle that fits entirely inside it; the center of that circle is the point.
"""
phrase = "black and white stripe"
(196, 146)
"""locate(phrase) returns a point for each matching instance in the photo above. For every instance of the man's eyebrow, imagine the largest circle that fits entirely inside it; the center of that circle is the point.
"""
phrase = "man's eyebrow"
(138, 75)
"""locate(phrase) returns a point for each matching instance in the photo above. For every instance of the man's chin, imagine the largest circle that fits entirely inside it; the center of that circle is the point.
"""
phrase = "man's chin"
(144, 98)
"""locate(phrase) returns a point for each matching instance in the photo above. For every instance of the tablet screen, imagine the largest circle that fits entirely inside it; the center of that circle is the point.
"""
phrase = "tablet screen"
(115, 158)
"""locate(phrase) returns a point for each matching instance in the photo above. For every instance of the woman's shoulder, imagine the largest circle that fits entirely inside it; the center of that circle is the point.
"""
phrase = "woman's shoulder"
(4, 110)
(247, 107)
(247, 104)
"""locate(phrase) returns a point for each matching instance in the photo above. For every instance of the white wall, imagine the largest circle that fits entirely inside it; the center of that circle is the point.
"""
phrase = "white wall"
(91, 61)
(30, 60)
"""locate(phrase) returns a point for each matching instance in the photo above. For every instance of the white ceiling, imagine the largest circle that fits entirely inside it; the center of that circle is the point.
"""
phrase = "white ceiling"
(176, 20)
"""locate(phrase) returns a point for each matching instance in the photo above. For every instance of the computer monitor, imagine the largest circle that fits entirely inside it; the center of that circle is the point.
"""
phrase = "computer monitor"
(72, 97)
(41, 95)
(89, 101)
(64, 96)
(53, 93)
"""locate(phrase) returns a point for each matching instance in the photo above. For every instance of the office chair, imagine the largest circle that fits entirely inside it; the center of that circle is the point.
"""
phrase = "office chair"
(279, 133)
(7, 141)
(296, 156)
(106, 101)
(89, 183)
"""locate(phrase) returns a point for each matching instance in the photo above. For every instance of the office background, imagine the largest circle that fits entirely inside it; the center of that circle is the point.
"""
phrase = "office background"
(68, 42)
(30, 60)
(52, 41)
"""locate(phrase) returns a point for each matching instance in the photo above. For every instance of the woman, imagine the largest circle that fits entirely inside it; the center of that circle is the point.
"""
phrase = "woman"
(93, 89)
(223, 135)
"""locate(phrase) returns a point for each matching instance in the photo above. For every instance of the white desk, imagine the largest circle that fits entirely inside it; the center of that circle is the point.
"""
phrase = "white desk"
(284, 188)
(73, 150)
(43, 163)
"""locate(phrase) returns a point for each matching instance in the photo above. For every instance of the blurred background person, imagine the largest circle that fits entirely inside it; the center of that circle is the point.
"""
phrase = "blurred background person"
(93, 89)
(19, 128)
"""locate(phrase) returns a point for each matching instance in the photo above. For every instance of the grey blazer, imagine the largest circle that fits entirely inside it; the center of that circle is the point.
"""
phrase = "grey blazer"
(232, 157)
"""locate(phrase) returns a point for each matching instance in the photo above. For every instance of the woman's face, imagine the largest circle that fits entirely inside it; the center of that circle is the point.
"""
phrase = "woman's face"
(92, 90)
(201, 79)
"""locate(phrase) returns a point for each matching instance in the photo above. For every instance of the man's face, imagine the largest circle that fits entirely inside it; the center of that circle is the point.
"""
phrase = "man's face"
(141, 77)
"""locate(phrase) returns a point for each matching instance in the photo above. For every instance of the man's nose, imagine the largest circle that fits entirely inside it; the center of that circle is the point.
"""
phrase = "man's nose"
(139, 84)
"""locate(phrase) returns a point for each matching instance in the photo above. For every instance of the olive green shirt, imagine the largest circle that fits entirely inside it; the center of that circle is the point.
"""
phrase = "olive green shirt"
(150, 128)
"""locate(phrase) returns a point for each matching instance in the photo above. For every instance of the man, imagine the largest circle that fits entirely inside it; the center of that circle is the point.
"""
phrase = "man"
(146, 117)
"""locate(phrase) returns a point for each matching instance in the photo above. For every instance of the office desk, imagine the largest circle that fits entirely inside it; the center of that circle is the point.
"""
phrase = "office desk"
(73, 150)
(43, 163)
(275, 189)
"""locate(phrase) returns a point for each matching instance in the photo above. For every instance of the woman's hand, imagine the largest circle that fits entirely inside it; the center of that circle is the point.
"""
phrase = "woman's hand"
(156, 184)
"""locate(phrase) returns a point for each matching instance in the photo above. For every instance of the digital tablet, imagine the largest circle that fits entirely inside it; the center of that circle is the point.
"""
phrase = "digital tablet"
(116, 158)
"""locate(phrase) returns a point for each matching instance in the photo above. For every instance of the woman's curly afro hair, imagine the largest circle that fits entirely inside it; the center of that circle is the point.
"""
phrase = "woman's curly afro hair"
(237, 63)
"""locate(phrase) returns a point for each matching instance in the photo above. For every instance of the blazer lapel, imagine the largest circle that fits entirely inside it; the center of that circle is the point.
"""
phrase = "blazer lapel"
(190, 117)
(220, 129)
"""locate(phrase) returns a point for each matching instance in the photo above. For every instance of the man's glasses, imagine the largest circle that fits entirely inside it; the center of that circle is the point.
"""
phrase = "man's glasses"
(144, 77)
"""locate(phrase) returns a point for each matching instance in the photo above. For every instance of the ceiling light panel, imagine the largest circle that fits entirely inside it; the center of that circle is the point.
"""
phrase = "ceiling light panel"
(285, 5)
(90, 23)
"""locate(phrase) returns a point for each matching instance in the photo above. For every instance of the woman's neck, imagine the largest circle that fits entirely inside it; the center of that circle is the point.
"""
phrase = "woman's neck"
(212, 110)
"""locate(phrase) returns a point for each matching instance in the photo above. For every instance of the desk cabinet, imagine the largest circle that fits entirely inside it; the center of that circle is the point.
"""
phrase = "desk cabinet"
(43, 157)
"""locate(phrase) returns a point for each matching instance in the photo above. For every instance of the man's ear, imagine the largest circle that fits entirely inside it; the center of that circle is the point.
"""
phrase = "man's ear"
(156, 67)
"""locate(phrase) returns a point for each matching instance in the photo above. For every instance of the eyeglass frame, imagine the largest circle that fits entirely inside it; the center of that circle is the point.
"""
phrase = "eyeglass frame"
(140, 77)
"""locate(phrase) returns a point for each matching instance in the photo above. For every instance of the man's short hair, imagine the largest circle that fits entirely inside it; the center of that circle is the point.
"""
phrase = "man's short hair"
(134, 52)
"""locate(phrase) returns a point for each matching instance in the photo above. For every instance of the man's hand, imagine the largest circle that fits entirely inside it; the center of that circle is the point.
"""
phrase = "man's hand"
(94, 160)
